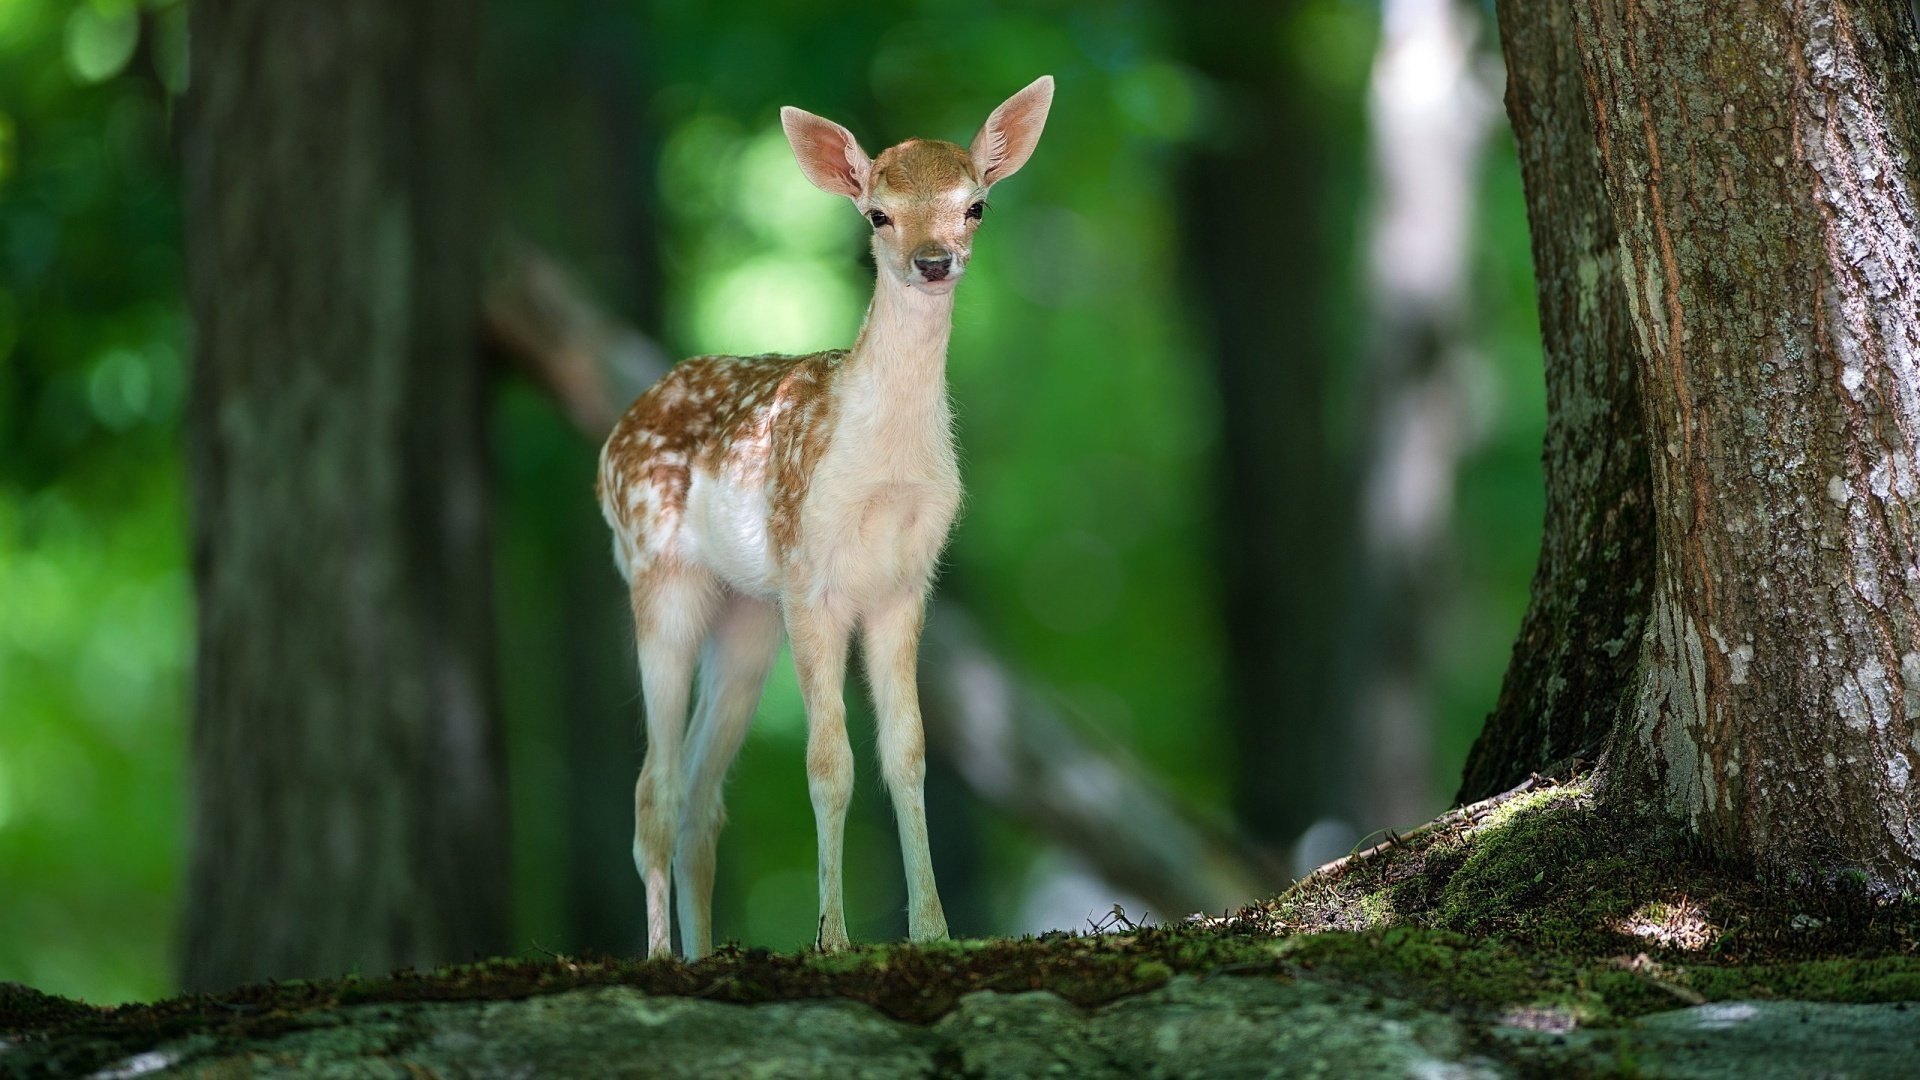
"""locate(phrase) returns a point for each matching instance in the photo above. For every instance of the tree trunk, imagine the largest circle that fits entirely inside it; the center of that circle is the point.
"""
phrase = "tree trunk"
(1262, 217)
(606, 901)
(348, 809)
(1431, 113)
(1761, 165)
(1573, 664)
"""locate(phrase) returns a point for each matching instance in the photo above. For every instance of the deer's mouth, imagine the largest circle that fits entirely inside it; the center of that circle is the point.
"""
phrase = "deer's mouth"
(936, 286)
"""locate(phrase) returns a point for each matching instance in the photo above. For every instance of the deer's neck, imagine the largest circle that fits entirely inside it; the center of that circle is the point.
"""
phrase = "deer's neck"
(895, 379)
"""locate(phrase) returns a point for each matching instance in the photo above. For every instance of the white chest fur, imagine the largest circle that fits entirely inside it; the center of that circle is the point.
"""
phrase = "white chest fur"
(881, 497)
(884, 494)
(879, 509)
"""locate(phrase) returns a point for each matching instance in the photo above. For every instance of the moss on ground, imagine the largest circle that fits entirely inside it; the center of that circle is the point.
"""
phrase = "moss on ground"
(1551, 870)
(1538, 906)
(914, 983)
(1544, 899)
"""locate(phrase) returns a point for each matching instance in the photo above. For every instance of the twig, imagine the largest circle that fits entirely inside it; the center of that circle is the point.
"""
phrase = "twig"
(1461, 816)
(590, 363)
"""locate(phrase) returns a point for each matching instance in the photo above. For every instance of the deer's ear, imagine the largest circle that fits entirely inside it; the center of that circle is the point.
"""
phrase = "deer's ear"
(1007, 139)
(827, 152)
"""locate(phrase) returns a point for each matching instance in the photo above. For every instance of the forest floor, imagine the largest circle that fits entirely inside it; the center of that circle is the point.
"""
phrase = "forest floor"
(1528, 935)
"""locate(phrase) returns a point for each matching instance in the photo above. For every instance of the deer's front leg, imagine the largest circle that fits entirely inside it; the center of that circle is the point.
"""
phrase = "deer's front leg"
(819, 638)
(892, 644)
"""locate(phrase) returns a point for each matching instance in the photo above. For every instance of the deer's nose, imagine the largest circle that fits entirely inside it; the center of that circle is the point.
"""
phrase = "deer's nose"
(934, 267)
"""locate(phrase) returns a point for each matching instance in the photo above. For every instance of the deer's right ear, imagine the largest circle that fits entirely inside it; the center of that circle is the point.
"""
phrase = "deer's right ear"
(827, 153)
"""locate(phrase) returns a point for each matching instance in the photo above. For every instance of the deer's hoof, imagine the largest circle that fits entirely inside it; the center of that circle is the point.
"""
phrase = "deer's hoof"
(831, 938)
(927, 924)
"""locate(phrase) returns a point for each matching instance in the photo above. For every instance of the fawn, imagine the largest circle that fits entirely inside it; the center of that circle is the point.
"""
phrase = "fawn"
(814, 491)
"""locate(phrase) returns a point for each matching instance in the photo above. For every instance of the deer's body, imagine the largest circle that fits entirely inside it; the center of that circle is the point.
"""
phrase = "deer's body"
(814, 493)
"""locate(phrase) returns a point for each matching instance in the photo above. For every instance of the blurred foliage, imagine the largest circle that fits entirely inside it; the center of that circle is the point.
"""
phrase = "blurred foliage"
(640, 140)
(95, 612)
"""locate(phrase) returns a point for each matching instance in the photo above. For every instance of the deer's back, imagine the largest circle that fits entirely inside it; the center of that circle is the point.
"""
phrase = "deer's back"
(727, 437)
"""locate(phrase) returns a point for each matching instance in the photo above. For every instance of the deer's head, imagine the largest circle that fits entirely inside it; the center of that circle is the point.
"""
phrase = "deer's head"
(924, 198)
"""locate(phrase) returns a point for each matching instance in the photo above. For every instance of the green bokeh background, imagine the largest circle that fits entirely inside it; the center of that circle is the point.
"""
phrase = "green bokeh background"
(1086, 415)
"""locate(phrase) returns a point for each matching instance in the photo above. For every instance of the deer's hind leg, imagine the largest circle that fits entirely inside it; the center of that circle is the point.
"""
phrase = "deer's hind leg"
(733, 671)
(672, 608)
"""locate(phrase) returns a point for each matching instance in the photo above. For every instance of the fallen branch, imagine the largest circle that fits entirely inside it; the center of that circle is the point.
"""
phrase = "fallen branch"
(1464, 817)
(1018, 754)
(590, 363)
(1013, 751)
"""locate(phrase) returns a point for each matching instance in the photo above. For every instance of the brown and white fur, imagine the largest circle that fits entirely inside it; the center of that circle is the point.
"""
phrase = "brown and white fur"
(814, 492)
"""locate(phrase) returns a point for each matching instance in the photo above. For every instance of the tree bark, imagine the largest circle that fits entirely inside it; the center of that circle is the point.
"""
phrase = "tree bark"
(1761, 166)
(348, 808)
(1574, 661)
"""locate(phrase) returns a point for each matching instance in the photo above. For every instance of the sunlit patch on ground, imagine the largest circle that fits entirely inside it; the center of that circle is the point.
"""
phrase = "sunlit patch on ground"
(1670, 924)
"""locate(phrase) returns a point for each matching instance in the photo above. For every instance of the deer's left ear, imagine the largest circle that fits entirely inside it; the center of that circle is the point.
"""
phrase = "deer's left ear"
(1007, 139)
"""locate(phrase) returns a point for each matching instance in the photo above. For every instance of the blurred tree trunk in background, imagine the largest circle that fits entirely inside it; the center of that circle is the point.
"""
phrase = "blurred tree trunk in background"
(1259, 234)
(1573, 663)
(348, 809)
(1763, 164)
(606, 904)
(1431, 114)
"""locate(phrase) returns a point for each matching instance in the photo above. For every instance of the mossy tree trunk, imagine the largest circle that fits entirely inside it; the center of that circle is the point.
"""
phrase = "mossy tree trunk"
(1763, 167)
(348, 810)
(1726, 216)
(1572, 671)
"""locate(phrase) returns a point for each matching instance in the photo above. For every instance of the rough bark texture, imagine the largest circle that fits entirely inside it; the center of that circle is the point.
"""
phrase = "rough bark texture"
(1760, 163)
(1258, 238)
(1573, 664)
(348, 810)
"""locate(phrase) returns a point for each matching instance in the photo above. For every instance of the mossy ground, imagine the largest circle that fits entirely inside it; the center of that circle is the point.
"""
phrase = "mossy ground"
(1538, 910)
(1544, 898)
(1550, 869)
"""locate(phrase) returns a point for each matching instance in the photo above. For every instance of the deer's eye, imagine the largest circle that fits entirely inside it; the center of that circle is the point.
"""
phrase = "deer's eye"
(878, 218)
(977, 211)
